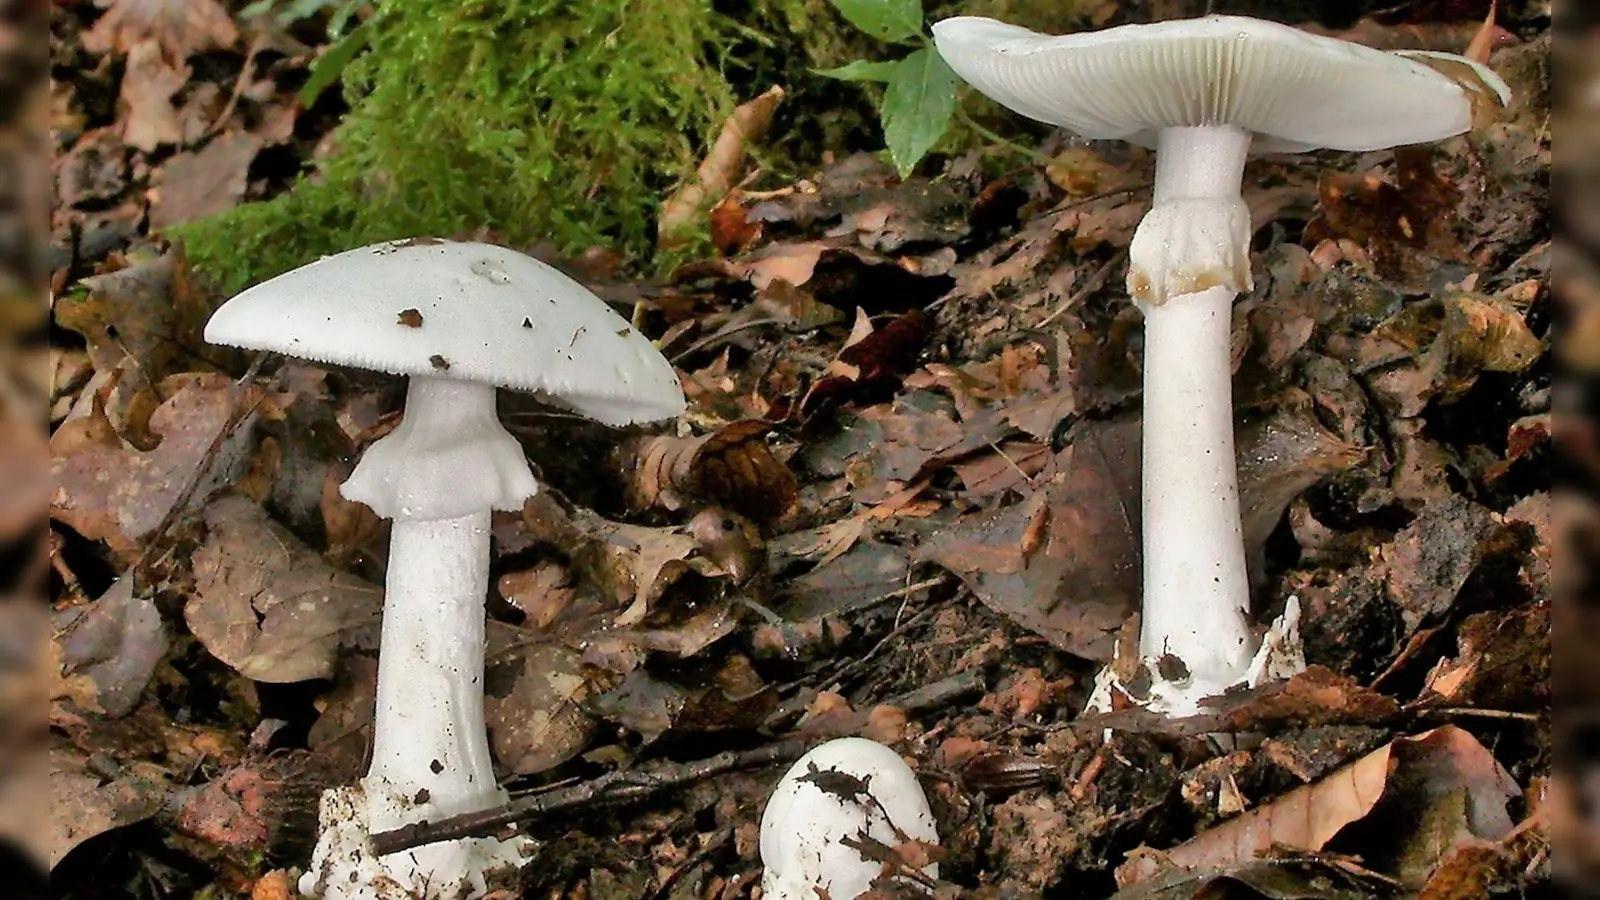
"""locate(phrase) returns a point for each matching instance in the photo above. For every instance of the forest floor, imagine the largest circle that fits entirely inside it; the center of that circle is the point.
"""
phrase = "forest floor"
(902, 505)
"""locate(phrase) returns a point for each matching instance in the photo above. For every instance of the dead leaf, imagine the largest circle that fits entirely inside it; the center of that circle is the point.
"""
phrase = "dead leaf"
(204, 182)
(1078, 588)
(179, 28)
(533, 701)
(1431, 560)
(1281, 876)
(85, 803)
(1428, 768)
(116, 642)
(112, 493)
(267, 605)
(149, 82)
(720, 169)
(148, 308)
(733, 466)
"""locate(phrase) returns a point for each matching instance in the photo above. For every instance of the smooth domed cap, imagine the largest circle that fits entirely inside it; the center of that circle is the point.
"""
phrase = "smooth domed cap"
(469, 311)
(1296, 91)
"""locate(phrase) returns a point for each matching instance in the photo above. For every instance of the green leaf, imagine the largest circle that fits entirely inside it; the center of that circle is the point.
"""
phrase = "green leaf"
(862, 70)
(917, 107)
(886, 20)
(327, 67)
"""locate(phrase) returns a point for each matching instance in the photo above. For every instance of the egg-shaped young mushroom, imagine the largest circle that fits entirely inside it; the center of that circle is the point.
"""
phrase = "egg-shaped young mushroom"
(831, 815)
(1206, 93)
(460, 319)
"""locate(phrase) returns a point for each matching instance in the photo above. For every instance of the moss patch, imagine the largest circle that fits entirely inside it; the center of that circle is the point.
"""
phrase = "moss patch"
(543, 120)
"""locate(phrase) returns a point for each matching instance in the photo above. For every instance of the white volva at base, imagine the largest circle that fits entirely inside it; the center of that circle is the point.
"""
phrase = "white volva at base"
(344, 867)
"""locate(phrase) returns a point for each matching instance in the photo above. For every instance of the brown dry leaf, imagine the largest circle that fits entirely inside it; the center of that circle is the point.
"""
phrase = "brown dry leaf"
(84, 802)
(205, 182)
(179, 28)
(108, 492)
(267, 605)
(1280, 877)
(1280, 457)
(722, 167)
(1503, 661)
(1430, 561)
(533, 696)
(149, 119)
(1082, 581)
(151, 309)
(1444, 769)
(115, 643)
(733, 466)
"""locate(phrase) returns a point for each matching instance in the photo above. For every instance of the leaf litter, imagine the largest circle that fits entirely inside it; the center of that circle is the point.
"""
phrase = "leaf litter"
(903, 503)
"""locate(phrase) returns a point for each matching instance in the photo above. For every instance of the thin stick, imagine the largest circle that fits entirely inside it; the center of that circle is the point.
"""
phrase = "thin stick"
(180, 504)
(1481, 713)
(613, 787)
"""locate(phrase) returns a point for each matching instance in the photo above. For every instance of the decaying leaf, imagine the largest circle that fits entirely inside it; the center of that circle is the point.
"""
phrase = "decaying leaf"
(109, 492)
(85, 802)
(533, 702)
(721, 168)
(116, 643)
(1433, 558)
(1081, 581)
(150, 120)
(733, 466)
(147, 308)
(180, 28)
(204, 182)
(1445, 767)
(267, 605)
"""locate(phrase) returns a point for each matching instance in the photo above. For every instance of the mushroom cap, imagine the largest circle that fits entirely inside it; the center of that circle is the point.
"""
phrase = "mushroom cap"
(1294, 90)
(469, 311)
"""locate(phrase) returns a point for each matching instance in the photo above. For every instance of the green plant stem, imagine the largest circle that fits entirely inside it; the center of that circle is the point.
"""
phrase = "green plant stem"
(1028, 152)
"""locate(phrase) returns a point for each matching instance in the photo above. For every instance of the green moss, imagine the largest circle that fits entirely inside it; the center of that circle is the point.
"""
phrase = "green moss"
(539, 119)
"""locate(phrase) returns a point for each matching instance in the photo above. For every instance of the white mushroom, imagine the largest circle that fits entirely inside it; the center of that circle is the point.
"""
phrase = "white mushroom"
(1206, 93)
(842, 792)
(460, 319)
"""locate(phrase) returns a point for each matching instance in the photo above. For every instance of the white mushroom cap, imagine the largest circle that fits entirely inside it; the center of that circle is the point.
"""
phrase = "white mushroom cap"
(1295, 91)
(487, 314)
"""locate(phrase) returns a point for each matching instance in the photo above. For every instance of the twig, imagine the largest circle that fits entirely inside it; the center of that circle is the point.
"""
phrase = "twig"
(723, 333)
(1095, 283)
(180, 504)
(613, 787)
(1468, 711)
(238, 88)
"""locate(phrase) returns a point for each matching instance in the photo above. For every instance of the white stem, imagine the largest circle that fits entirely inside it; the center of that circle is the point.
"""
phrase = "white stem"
(428, 730)
(1196, 594)
(1195, 591)
(438, 475)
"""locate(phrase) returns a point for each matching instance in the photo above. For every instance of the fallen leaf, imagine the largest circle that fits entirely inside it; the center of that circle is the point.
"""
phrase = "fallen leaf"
(150, 309)
(204, 182)
(1078, 588)
(1432, 559)
(533, 702)
(1282, 876)
(733, 466)
(85, 803)
(112, 493)
(267, 606)
(721, 168)
(179, 28)
(1428, 769)
(149, 82)
(116, 642)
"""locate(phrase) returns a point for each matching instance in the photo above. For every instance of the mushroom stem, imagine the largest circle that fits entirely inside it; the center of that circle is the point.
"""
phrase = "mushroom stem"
(428, 730)
(1195, 589)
